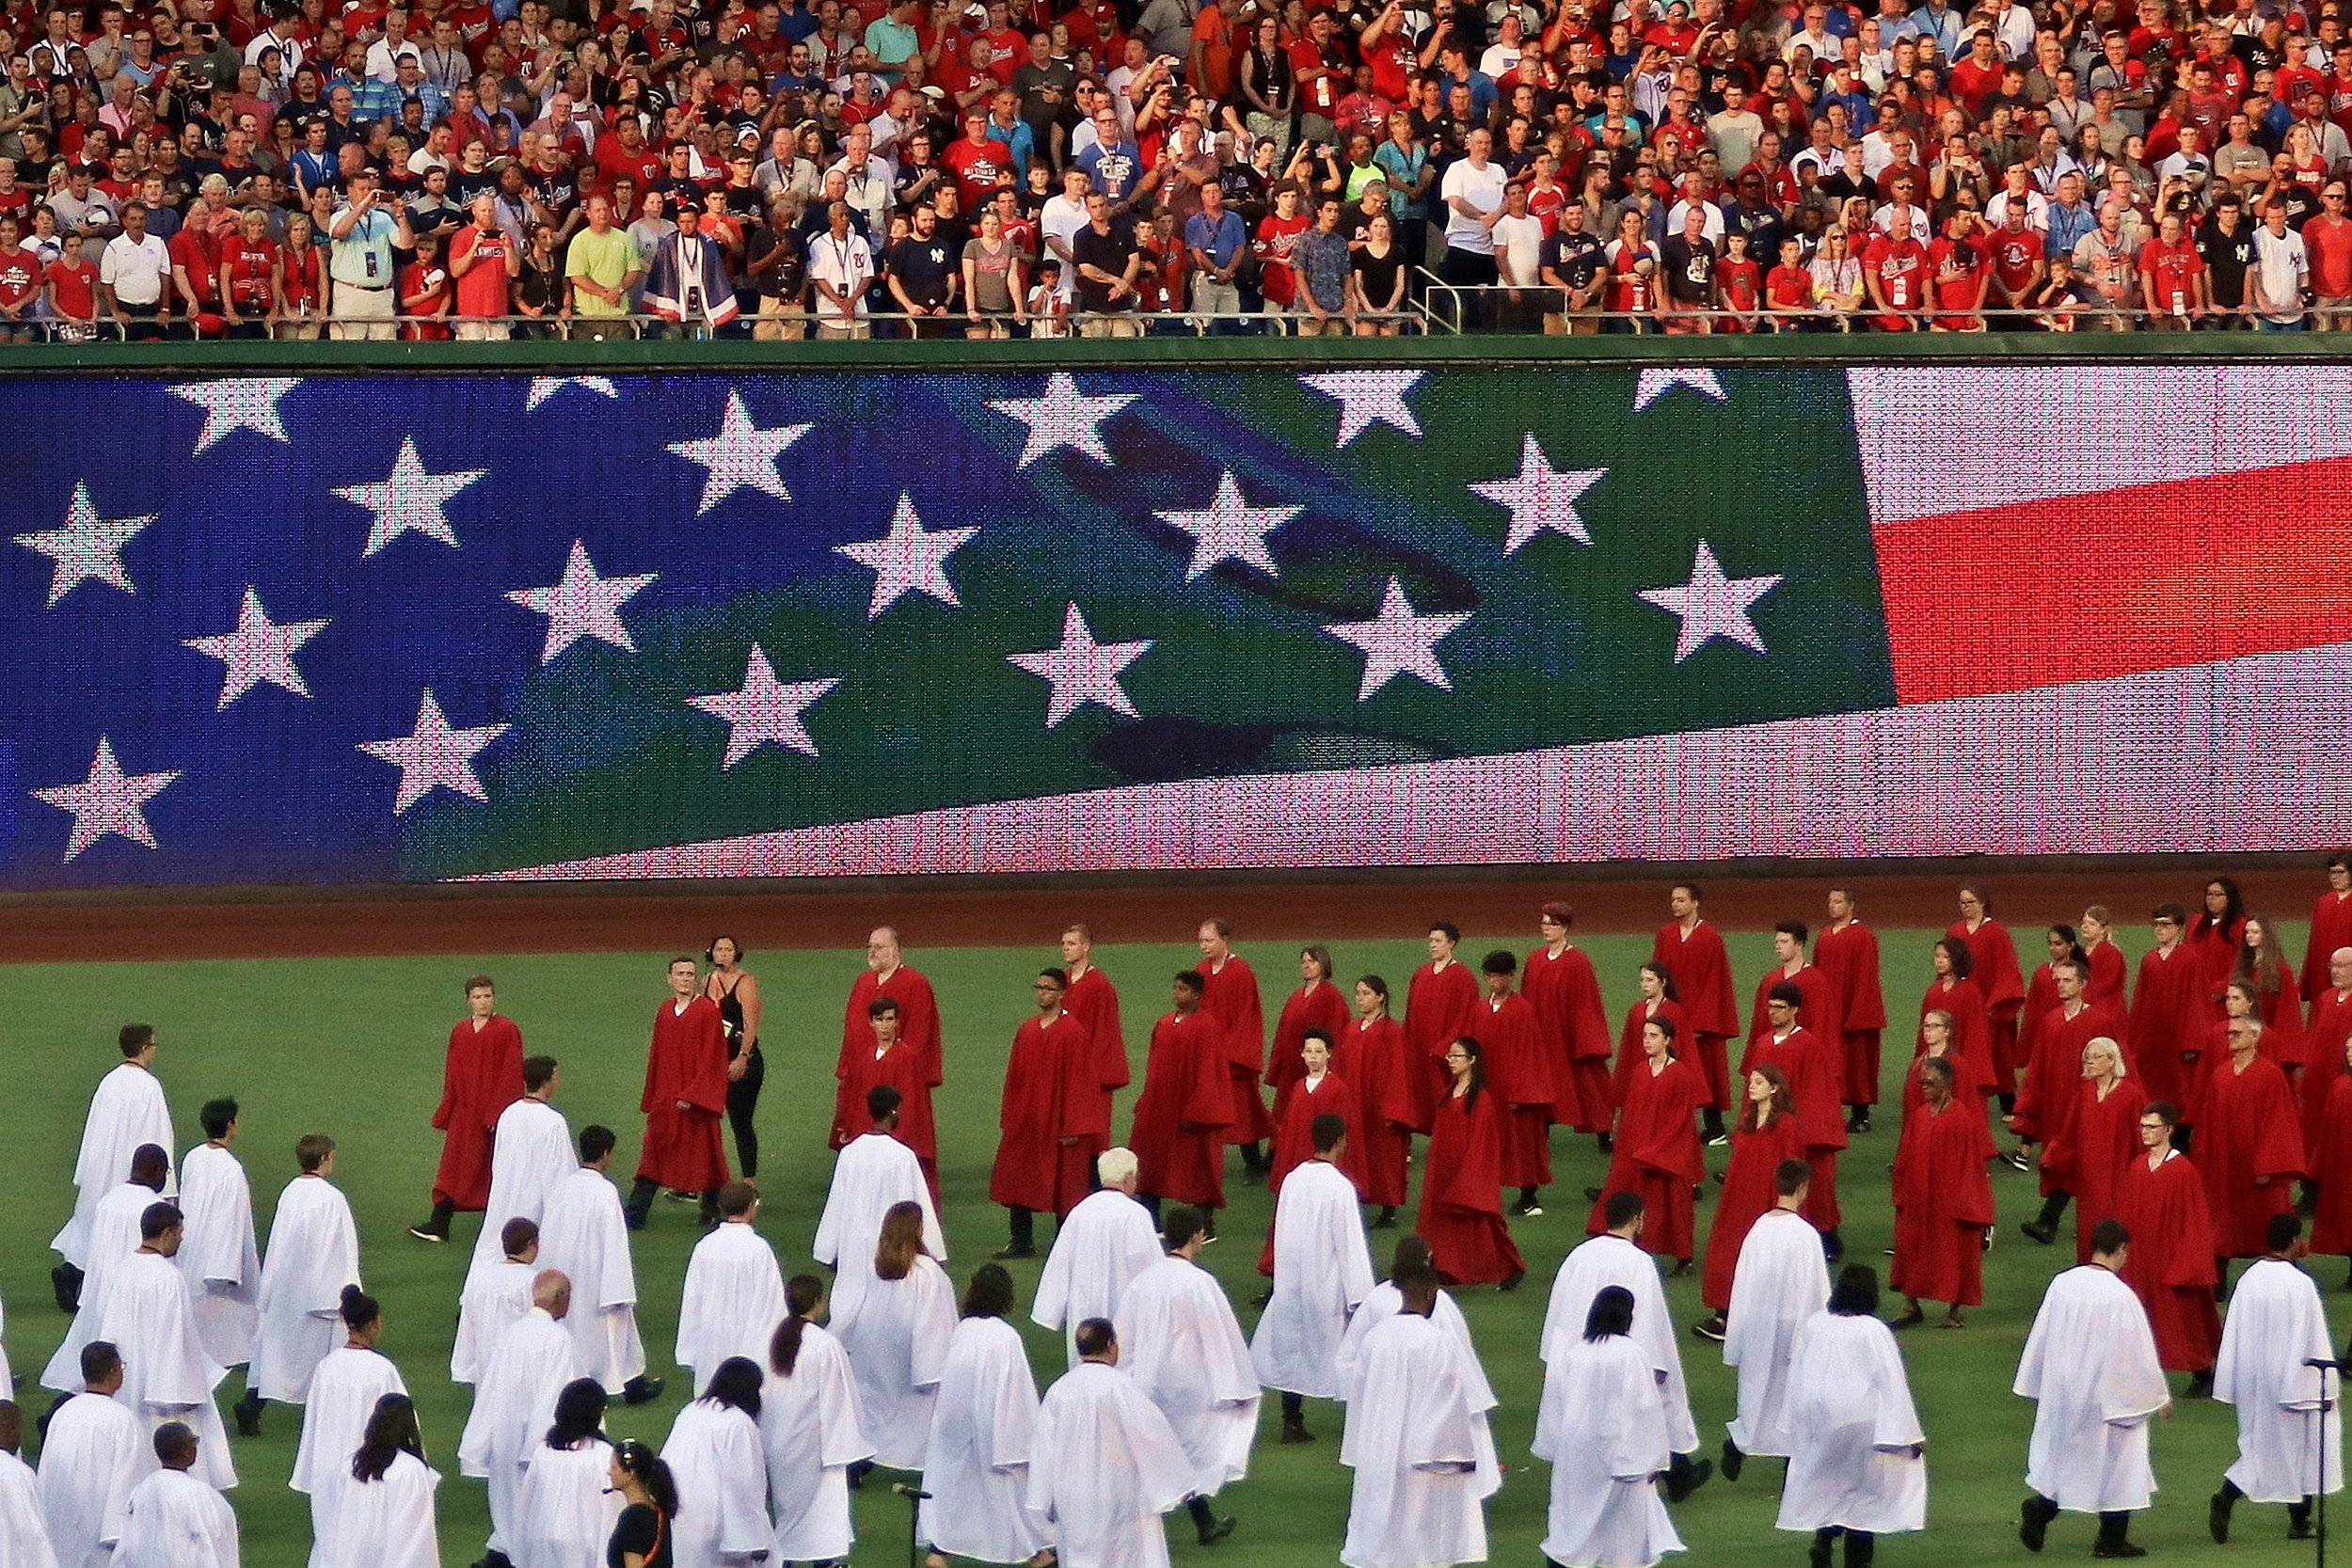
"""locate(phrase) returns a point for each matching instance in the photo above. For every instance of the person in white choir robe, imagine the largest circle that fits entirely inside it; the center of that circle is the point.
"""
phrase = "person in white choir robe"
(1614, 1258)
(23, 1532)
(565, 1509)
(313, 1253)
(513, 1401)
(1179, 1343)
(977, 1466)
(583, 1233)
(1322, 1272)
(896, 1336)
(720, 1472)
(114, 1236)
(733, 1295)
(1417, 1440)
(1603, 1428)
(173, 1519)
(530, 1151)
(383, 1518)
(872, 1172)
(810, 1431)
(127, 1110)
(1385, 1301)
(2091, 1365)
(343, 1397)
(495, 1298)
(1779, 1280)
(7, 1379)
(150, 1321)
(1103, 1462)
(2287, 1414)
(95, 1451)
(217, 1255)
(1857, 1464)
(1105, 1239)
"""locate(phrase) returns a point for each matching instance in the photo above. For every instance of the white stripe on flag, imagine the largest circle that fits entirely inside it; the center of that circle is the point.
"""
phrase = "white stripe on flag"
(2237, 756)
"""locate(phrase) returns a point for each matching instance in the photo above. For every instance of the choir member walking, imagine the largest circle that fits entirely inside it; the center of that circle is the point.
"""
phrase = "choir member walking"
(481, 1075)
(1322, 1272)
(2215, 937)
(810, 1431)
(1181, 1119)
(1602, 1427)
(1779, 1282)
(685, 1098)
(566, 1508)
(1561, 986)
(1994, 966)
(1656, 1000)
(114, 1236)
(2169, 1010)
(174, 1517)
(1815, 1008)
(1230, 995)
(1103, 1462)
(873, 1172)
(525, 1371)
(2277, 1368)
(1656, 1152)
(733, 1293)
(2048, 1097)
(340, 1403)
(1093, 1001)
(384, 1512)
(1804, 1061)
(2324, 1044)
(148, 1320)
(1185, 1349)
(313, 1252)
(1387, 1077)
(1847, 953)
(1943, 1203)
(1053, 1120)
(494, 1297)
(127, 1110)
(1098, 1250)
(2098, 1139)
(892, 1061)
(1856, 1465)
(720, 1472)
(983, 1424)
(584, 1233)
(1953, 992)
(1518, 1075)
(1441, 1007)
(887, 974)
(1461, 1186)
(1315, 1004)
(2161, 1201)
(217, 1255)
(1419, 1441)
(531, 1157)
(895, 1334)
(2330, 930)
(2249, 1143)
(1767, 1133)
(95, 1451)
(1692, 950)
(21, 1521)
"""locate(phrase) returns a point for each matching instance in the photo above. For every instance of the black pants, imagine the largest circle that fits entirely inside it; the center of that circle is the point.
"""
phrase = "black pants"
(1467, 269)
(1024, 1227)
(742, 1101)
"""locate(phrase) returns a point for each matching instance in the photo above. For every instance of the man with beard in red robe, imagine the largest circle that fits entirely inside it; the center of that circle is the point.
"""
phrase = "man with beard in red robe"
(1093, 1001)
(1817, 1011)
(2249, 1146)
(1186, 1106)
(1693, 951)
(2169, 1019)
(1565, 993)
(1441, 1007)
(2047, 1096)
(685, 1099)
(2161, 1200)
(2331, 928)
(1994, 966)
(1518, 1075)
(1943, 1203)
(891, 1057)
(1812, 1076)
(1052, 1122)
(481, 1076)
(1847, 951)
(887, 974)
(1231, 999)
(1657, 1154)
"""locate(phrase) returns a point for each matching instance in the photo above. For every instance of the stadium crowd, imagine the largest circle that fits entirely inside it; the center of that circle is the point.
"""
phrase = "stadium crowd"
(773, 167)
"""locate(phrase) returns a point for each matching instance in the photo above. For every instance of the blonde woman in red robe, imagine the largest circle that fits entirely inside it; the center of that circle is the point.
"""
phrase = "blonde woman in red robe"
(2086, 1158)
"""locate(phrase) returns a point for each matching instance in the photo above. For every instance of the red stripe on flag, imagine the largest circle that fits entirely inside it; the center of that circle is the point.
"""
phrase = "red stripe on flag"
(2146, 576)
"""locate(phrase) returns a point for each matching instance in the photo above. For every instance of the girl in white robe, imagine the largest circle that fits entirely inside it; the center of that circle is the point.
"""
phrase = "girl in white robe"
(977, 1467)
(1856, 1465)
(383, 1516)
(809, 1426)
(1419, 1441)
(1603, 1427)
(896, 1331)
(720, 1472)
(342, 1400)
(565, 1509)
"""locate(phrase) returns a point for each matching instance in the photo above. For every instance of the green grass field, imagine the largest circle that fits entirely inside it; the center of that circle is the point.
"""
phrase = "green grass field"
(354, 1049)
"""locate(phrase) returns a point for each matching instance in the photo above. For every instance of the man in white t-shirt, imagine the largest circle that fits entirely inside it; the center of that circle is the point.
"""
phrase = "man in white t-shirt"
(1518, 239)
(2274, 284)
(135, 273)
(1472, 192)
(1058, 222)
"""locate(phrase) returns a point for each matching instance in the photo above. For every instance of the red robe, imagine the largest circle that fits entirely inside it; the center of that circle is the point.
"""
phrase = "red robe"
(1093, 1001)
(2282, 1012)
(1231, 1000)
(2250, 1150)
(2323, 1062)
(1813, 1085)
(2109, 974)
(1817, 1014)
(918, 1026)
(2170, 1264)
(1748, 1190)
(1915, 1098)
(1993, 969)
(1051, 1092)
(2087, 1156)
(1702, 976)
(1294, 1141)
(1320, 1006)
(1441, 1007)
(902, 1067)
(482, 1075)
(2045, 1096)
(2168, 1022)
(1566, 996)
(1384, 1071)
(2216, 949)
(1972, 1037)
(1943, 1205)
(1185, 1110)
(1631, 1054)
(688, 1063)
(1849, 956)
(1519, 1076)
(2040, 996)
(2331, 928)
(1657, 1154)
(1461, 1195)
(2331, 1167)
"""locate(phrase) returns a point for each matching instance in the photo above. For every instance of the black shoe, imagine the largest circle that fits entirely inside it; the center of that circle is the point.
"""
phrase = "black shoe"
(2015, 1159)
(1018, 1249)
(1387, 1220)
(2033, 1523)
(677, 1195)
(2299, 1529)
(1734, 1457)
(1608, 1143)
(1295, 1431)
(67, 1281)
(2118, 1549)
(425, 1232)
(1216, 1530)
(858, 1472)
(2217, 1519)
(2199, 1387)
(1528, 1208)
(1681, 1482)
(641, 1390)
(1263, 1297)
(1709, 1328)
(1511, 1281)
(1681, 1268)
(1593, 1192)
(248, 1419)
(2035, 1230)
(633, 1218)
(1818, 1554)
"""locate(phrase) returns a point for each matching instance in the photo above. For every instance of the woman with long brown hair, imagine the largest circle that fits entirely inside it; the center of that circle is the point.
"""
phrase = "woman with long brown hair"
(2261, 963)
(1461, 1186)
(896, 1333)
(810, 1430)
(1766, 1135)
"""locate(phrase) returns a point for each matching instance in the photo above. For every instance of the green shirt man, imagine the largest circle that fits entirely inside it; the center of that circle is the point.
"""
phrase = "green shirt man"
(602, 264)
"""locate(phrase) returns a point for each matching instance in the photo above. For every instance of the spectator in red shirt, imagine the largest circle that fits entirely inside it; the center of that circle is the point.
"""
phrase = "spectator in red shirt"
(424, 294)
(1738, 285)
(484, 260)
(2017, 250)
(1963, 271)
(2172, 277)
(625, 152)
(1789, 291)
(978, 161)
(1278, 236)
(71, 287)
(1894, 274)
(2328, 240)
(1977, 75)
(20, 283)
(248, 279)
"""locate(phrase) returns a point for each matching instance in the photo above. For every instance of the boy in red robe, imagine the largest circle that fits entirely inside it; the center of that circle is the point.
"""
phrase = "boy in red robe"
(2168, 1017)
(1441, 1007)
(1812, 1078)
(1186, 1106)
(1093, 1001)
(891, 1057)
(1657, 1153)
(685, 1099)
(887, 974)
(2331, 928)
(481, 1076)
(1518, 1071)
(1054, 1119)
(1692, 952)
(2047, 1095)
(2249, 1146)
(1231, 1000)
(1847, 953)
(1565, 993)
(1943, 1203)
(1818, 1009)
(2161, 1200)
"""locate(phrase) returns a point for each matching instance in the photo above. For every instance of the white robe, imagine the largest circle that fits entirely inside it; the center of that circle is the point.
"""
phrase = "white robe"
(165, 1374)
(1853, 1425)
(715, 1457)
(584, 1233)
(1592, 1267)
(1386, 1302)
(1423, 1455)
(7, 1379)
(873, 1171)
(1179, 1343)
(2276, 1323)
(514, 1404)
(566, 1508)
(128, 1110)
(388, 1522)
(810, 1432)
(896, 1333)
(977, 1468)
(217, 1253)
(1103, 1466)
(732, 1303)
(114, 1236)
(313, 1253)
(530, 1152)
(1099, 1248)
(342, 1398)
(1779, 1281)
(1602, 1426)
(2090, 1362)
(97, 1450)
(496, 1298)
(1322, 1272)
(24, 1533)
(176, 1521)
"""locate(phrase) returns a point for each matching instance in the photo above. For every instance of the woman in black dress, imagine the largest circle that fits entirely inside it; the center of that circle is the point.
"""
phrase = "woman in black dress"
(649, 1498)
(737, 992)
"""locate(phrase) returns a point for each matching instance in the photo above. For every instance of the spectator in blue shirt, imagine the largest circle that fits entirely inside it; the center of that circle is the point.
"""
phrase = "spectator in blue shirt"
(1216, 238)
(2071, 216)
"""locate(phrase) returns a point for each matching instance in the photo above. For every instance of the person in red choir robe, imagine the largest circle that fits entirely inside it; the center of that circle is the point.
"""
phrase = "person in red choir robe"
(1052, 1122)
(2323, 1048)
(1816, 1012)
(2331, 1167)
(2109, 971)
(1993, 965)
(2262, 965)
(1693, 951)
(1561, 986)
(2216, 937)
(1813, 1085)
(2237, 1001)
(2331, 928)
(891, 1057)
(1847, 951)
(1317, 1004)
(2169, 1020)
(2041, 996)
(1971, 1082)
(1943, 1203)
(1519, 1076)
(1461, 1187)
(2161, 1199)
(1658, 1001)
(1231, 1000)
(1319, 1091)
(887, 974)
(1952, 992)
(1093, 1001)
(2047, 1096)
(1186, 1106)
(481, 1076)
(1767, 1132)
(2087, 1156)
(1384, 1071)
(1441, 1007)
(685, 1099)
(2249, 1144)
(1657, 1153)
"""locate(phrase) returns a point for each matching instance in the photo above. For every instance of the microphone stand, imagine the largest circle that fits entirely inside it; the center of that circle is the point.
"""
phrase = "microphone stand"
(917, 1497)
(2323, 1366)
